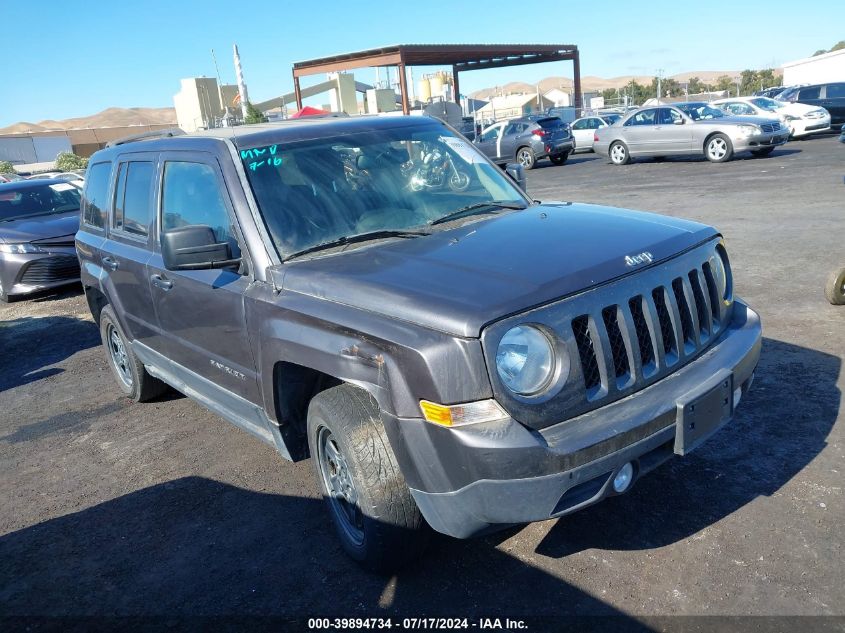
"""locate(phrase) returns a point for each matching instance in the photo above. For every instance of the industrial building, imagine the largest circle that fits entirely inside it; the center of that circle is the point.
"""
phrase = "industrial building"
(820, 69)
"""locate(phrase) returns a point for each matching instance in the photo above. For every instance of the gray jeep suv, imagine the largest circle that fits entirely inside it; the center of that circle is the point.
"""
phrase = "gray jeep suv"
(464, 360)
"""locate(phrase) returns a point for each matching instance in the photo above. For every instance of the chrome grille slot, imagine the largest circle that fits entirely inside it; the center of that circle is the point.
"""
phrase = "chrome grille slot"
(687, 329)
(644, 341)
(586, 351)
(621, 368)
(667, 334)
(700, 305)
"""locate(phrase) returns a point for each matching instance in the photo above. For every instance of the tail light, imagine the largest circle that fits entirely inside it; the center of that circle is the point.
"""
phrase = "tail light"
(539, 132)
(595, 137)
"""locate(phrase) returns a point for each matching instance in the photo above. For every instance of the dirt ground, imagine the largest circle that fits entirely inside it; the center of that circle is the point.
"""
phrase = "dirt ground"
(115, 509)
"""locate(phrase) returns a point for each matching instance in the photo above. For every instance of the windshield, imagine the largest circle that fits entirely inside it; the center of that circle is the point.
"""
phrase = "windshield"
(764, 103)
(700, 111)
(319, 191)
(22, 202)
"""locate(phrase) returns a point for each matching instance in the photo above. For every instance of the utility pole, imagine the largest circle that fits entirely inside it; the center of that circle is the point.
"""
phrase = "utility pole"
(659, 78)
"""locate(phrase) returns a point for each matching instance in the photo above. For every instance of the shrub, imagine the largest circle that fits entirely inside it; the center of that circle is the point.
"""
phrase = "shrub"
(68, 161)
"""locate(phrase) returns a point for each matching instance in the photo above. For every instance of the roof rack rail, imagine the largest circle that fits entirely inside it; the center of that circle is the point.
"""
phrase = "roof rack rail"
(146, 136)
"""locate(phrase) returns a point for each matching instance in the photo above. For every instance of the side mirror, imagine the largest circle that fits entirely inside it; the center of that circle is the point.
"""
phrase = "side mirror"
(517, 174)
(194, 247)
(679, 121)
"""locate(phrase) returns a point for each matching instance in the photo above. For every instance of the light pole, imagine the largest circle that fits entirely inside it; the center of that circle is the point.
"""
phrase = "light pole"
(659, 78)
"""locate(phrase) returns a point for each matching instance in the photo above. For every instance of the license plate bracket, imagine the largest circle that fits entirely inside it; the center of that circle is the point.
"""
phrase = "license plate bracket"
(703, 411)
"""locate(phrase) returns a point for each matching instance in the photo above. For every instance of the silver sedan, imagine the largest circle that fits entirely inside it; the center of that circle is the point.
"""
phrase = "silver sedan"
(688, 129)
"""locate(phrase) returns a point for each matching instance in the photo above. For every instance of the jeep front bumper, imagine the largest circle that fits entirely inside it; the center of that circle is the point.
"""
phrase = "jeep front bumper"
(478, 478)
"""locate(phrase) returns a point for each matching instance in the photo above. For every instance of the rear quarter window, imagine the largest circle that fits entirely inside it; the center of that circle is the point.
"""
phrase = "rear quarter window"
(95, 195)
(835, 91)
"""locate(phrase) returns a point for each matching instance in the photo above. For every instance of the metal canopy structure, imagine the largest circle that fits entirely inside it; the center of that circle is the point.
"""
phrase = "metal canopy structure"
(461, 57)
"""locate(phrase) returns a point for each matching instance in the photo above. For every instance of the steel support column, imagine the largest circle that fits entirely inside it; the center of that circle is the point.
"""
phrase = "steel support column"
(403, 88)
(457, 87)
(297, 92)
(576, 71)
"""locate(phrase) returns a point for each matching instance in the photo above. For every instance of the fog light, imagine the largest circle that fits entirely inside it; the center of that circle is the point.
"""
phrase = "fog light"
(623, 478)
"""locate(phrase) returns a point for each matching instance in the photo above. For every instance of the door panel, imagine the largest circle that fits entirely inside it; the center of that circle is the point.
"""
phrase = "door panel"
(201, 312)
(672, 138)
(128, 247)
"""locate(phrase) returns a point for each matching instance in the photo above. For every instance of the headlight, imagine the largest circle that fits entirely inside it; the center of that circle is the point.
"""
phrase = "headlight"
(19, 249)
(721, 268)
(749, 130)
(525, 360)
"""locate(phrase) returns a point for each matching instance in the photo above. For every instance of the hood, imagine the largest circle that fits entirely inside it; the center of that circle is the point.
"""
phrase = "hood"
(40, 227)
(457, 281)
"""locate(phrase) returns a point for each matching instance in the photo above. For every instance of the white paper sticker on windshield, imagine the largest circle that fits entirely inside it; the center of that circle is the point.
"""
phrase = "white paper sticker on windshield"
(461, 148)
(64, 186)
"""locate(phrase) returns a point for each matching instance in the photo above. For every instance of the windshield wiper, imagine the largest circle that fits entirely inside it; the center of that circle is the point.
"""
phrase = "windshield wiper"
(360, 237)
(477, 207)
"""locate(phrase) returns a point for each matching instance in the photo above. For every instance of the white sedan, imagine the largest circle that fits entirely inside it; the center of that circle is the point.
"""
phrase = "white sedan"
(584, 130)
(801, 119)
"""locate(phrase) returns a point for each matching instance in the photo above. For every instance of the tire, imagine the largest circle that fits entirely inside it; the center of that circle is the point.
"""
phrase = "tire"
(718, 148)
(559, 159)
(525, 157)
(133, 380)
(618, 153)
(760, 153)
(834, 289)
(374, 514)
(459, 181)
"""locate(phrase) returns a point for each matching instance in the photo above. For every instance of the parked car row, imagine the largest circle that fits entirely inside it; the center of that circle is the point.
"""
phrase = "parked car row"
(694, 128)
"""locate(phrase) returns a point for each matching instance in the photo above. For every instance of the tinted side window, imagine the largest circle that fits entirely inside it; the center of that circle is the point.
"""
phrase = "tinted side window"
(646, 117)
(835, 91)
(812, 92)
(191, 195)
(95, 194)
(136, 202)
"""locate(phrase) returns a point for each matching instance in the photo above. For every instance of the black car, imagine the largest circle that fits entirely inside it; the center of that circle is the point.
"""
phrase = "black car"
(38, 220)
(830, 96)
(457, 360)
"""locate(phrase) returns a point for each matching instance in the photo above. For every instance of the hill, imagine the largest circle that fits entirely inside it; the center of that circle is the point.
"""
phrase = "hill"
(110, 117)
(591, 83)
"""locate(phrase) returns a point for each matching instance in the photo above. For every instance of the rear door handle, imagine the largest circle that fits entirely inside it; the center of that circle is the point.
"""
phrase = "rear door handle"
(161, 282)
(110, 263)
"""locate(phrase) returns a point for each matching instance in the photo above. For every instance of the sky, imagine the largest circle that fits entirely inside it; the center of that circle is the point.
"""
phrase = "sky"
(67, 59)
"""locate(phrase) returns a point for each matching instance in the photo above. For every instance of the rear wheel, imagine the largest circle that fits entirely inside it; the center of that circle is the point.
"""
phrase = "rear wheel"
(619, 153)
(834, 289)
(763, 152)
(374, 514)
(132, 377)
(525, 157)
(559, 159)
(718, 148)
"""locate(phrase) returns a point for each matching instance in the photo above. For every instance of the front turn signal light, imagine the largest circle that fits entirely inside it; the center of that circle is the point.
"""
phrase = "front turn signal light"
(462, 414)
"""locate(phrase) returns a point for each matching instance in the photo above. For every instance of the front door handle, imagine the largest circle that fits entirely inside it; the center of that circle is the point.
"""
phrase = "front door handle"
(161, 282)
(110, 263)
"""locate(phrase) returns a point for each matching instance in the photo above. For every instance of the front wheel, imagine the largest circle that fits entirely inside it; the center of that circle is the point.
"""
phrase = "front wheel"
(834, 289)
(374, 514)
(619, 153)
(559, 159)
(459, 181)
(718, 148)
(525, 157)
(762, 152)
